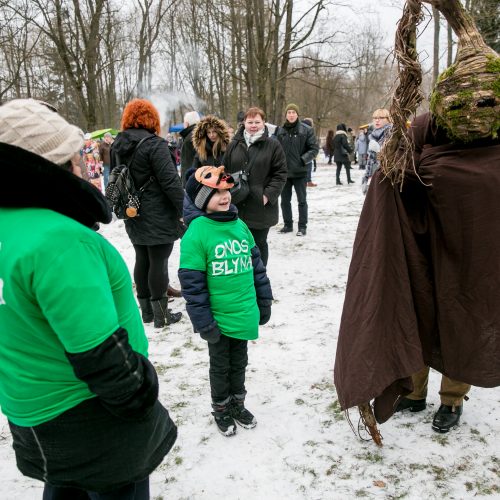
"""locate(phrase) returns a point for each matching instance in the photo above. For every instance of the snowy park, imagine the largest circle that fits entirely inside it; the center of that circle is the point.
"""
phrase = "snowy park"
(303, 446)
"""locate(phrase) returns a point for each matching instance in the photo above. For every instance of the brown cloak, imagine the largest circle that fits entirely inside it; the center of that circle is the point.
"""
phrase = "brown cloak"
(424, 280)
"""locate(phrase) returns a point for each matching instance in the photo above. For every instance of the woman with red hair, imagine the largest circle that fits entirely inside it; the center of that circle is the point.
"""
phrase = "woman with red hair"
(157, 226)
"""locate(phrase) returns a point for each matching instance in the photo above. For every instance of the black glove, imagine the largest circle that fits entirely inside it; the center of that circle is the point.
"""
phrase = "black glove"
(265, 314)
(211, 334)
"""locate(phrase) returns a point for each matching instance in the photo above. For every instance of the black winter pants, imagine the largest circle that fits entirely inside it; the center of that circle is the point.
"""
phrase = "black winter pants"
(151, 270)
(347, 165)
(260, 237)
(228, 362)
(299, 184)
(132, 491)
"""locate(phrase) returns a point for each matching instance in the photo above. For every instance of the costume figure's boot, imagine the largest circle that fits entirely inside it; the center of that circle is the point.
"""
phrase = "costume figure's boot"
(162, 314)
(146, 309)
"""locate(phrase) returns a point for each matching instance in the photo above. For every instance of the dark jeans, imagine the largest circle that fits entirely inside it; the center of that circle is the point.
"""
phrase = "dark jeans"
(151, 270)
(132, 491)
(347, 165)
(105, 173)
(260, 237)
(228, 362)
(299, 184)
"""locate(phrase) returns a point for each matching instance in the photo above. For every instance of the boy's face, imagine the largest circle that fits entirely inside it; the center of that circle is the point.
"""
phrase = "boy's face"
(219, 202)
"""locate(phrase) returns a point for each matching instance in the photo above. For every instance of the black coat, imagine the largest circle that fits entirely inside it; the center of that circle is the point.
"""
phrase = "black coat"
(300, 146)
(187, 151)
(161, 202)
(267, 164)
(341, 144)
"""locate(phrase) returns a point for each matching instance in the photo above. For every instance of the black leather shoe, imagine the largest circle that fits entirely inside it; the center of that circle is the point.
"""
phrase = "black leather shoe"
(414, 405)
(446, 418)
(350, 182)
(286, 229)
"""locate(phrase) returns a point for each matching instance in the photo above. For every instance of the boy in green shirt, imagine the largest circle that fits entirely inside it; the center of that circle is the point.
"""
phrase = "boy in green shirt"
(226, 288)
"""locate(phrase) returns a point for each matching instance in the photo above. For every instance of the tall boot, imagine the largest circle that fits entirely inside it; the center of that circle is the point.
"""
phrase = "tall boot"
(146, 309)
(349, 180)
(162, 314)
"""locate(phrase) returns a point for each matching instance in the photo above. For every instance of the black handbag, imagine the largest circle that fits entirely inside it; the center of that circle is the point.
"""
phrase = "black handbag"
(241, 189)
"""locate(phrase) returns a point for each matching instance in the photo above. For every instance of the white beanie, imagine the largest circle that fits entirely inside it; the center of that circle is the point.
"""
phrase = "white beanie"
(192, 117)
(30, 125)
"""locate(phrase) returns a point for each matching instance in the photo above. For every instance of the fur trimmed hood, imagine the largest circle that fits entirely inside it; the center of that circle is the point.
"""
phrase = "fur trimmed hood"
(200, 134)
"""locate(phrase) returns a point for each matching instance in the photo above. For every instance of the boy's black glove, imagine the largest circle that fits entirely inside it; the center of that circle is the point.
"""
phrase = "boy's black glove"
(265, 314)
(211, 334)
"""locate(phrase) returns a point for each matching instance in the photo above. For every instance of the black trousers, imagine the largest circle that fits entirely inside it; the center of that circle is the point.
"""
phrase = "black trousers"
(347, 165)
(151, 270)
(228, 363)
(299, 184)
(132, 491)
(260, 237)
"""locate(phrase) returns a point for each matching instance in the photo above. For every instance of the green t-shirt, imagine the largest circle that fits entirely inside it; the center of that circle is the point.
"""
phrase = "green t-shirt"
(222, 250)
(63, 287)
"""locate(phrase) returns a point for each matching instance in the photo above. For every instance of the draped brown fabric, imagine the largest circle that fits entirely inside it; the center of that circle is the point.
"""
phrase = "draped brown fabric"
(424, 280)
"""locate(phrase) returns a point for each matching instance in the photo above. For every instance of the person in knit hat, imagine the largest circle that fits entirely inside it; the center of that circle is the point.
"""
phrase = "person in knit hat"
(301, 148)
(74, 372)
(191, 118)
(227, 291)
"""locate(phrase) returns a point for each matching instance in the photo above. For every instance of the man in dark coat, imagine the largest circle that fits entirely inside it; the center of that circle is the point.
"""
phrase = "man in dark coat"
(300, 146)
(191, 118)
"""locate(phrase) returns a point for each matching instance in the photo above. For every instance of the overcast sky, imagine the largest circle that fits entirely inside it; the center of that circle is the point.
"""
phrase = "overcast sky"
(386, 14)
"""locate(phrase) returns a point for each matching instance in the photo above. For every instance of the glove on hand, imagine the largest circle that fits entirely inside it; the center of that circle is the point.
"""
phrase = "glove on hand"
(265, 314)
(211, 334)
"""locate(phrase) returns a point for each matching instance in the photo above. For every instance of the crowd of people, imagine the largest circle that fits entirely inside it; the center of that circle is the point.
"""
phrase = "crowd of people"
(102, 386)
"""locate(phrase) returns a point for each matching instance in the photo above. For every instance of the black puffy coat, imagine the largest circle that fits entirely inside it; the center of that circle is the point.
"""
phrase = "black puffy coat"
(161, 202)
(266, 161)
(300, 145)
(341, 147)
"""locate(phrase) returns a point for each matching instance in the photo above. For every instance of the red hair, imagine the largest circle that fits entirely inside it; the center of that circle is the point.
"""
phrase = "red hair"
(140, 113)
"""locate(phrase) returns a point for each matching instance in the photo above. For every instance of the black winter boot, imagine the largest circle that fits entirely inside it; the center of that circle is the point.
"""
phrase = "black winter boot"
(414, 405)
(223, 419)
(240, 414)
(162, 314)
(146, 309)
(446, 418)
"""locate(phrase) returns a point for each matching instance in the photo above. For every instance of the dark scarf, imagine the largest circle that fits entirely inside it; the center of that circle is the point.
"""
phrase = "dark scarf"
(229, 215)
(289, 125)
(28, 180)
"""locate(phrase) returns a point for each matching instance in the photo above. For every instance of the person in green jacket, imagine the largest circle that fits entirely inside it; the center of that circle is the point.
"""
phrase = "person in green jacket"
(79, 393)
(227, 291)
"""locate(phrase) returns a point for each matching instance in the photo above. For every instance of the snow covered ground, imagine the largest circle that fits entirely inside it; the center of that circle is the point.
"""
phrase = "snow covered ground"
(302, 447)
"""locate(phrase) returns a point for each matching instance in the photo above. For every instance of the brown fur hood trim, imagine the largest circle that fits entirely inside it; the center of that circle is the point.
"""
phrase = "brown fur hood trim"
(201, 129)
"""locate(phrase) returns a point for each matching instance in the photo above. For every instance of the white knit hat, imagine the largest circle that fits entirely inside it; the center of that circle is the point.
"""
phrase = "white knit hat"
(192, 117)
(30, 125)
